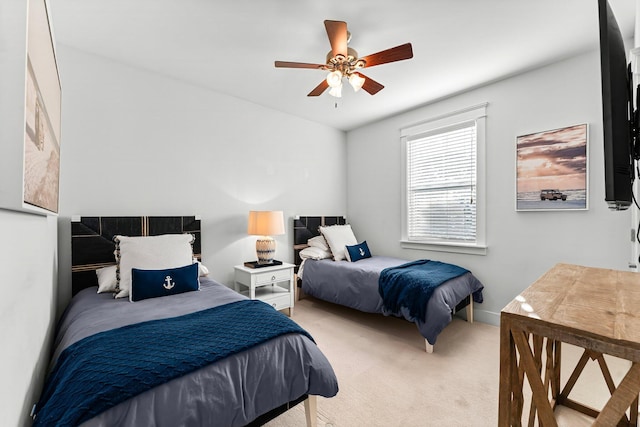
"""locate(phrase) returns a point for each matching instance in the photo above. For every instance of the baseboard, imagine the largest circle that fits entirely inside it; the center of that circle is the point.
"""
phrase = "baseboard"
(484, 316)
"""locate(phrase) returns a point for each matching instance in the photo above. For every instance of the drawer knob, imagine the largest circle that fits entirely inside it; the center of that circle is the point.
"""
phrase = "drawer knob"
(273, 277)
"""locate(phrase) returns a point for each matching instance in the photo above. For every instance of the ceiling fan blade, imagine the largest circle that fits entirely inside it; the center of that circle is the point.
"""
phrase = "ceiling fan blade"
(337, 32)
(394, 54)
(285, 64)
(317, 91)
(370, 85)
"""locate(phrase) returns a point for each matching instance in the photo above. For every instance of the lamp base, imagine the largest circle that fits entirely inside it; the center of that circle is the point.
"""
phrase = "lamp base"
(255, 264)
(265, 250)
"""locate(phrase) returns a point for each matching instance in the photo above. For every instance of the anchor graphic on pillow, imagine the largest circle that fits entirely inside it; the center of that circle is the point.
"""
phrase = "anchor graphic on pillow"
(169, 283)
(361, 252)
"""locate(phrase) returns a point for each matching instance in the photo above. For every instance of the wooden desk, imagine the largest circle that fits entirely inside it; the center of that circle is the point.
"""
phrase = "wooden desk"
(592, 308)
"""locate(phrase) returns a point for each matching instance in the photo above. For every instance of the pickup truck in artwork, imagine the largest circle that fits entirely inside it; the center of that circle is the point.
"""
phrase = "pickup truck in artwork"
(552, 195)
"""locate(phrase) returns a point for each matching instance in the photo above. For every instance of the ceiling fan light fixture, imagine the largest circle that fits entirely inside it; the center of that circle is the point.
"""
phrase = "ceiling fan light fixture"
(336, 91)
(356, 81)
(334, 78)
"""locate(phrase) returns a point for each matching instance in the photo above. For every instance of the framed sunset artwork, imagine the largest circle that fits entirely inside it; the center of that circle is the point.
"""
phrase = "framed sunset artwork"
(551, 170)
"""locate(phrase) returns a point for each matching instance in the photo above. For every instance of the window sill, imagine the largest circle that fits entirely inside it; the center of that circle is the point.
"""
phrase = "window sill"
(461, 248)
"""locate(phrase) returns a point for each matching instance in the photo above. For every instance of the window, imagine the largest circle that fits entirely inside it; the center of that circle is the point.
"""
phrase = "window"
(443, 194)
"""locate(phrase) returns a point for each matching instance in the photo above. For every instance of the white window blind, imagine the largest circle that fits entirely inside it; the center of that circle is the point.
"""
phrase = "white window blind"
(441, 176)
(443, 191)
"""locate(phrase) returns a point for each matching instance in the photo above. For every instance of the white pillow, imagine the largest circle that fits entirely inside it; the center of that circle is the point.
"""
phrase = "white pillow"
(318, 242)
(150, 253)
(202, 270)
(338, 237)
(107, 279)
(314, 253)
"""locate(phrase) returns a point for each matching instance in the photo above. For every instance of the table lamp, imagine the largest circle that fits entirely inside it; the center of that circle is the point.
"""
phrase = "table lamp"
(265, 224)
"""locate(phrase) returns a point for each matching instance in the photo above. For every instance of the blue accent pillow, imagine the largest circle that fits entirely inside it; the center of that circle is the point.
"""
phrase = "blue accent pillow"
(358, 252)
(158, 283)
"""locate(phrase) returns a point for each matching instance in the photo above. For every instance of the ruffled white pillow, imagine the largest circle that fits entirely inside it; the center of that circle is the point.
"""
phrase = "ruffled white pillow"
(313, 252)
(318, 242)
(202, 270)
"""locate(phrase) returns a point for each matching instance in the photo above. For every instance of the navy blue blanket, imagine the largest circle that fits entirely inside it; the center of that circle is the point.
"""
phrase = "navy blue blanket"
(102, 370)
(412, 284)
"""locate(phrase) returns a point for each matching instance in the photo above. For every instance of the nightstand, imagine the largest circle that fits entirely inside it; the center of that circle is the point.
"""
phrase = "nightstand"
(273, 285)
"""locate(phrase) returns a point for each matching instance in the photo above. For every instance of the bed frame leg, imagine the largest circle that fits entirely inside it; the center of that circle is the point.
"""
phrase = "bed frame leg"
(470, 309)
(297, 289)
(429, 347)
(311, 410)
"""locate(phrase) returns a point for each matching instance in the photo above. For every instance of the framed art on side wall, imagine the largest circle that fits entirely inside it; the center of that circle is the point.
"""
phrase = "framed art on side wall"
(41, 165)
(551, 169)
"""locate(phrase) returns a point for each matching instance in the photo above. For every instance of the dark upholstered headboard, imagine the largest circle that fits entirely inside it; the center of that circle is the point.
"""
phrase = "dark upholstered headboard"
(306, 227)
(92, 243)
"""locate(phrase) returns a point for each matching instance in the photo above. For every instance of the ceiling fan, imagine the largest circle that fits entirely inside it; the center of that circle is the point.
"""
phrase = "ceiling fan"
(343, 62)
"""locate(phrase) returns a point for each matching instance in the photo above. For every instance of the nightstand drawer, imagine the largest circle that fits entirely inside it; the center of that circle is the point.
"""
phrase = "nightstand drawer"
(273, 276)
(279, 302)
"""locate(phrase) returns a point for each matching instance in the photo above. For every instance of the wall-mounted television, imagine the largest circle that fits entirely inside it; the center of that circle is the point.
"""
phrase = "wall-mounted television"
(619, 117)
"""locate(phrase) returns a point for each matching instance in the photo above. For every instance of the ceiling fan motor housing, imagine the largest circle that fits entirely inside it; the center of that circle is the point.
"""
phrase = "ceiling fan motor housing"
(346, 65)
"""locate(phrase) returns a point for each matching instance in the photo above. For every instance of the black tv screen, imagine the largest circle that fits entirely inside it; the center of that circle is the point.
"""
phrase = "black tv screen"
(616, 94)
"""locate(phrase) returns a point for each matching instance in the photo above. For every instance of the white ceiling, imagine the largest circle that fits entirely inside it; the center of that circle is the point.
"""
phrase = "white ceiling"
(230, 45)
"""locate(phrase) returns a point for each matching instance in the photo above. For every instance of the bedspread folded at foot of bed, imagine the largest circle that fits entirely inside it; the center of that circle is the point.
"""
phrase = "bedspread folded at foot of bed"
(83, 383)
(411, 285)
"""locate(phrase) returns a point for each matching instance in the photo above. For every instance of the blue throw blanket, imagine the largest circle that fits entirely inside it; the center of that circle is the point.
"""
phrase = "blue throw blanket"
(412, 284)
(102, 370)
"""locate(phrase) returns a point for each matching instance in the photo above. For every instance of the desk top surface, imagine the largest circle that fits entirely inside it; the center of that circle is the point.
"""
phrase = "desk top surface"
(598, 302)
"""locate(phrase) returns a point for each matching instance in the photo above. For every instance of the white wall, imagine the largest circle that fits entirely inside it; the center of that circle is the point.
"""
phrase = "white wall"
(137, 143)
(27, 310)
(28, 254)
(522, 245)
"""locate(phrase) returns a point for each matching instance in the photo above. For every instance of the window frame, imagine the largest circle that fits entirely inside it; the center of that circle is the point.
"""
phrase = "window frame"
(475, 113)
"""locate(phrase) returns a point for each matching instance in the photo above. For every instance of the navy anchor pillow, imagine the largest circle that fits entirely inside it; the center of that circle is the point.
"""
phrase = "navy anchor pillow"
(158, 283)
(358, 252)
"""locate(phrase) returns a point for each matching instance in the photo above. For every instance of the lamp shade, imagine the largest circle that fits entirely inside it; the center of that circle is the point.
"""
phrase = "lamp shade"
(265, 223)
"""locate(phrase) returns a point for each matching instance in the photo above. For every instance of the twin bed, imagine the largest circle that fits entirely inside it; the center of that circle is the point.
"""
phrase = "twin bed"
(189, 359)
(358, 285)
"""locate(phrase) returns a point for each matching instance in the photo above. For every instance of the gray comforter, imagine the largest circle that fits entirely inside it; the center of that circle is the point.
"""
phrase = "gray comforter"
(355, 285)
(230, 392)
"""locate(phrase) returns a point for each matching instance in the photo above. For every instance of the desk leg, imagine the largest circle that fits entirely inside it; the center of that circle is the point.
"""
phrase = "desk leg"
(555, 378)
(507, 367)
(506, 360)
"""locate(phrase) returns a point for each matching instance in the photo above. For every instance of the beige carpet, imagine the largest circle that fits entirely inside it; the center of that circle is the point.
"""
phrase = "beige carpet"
(387, 379)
